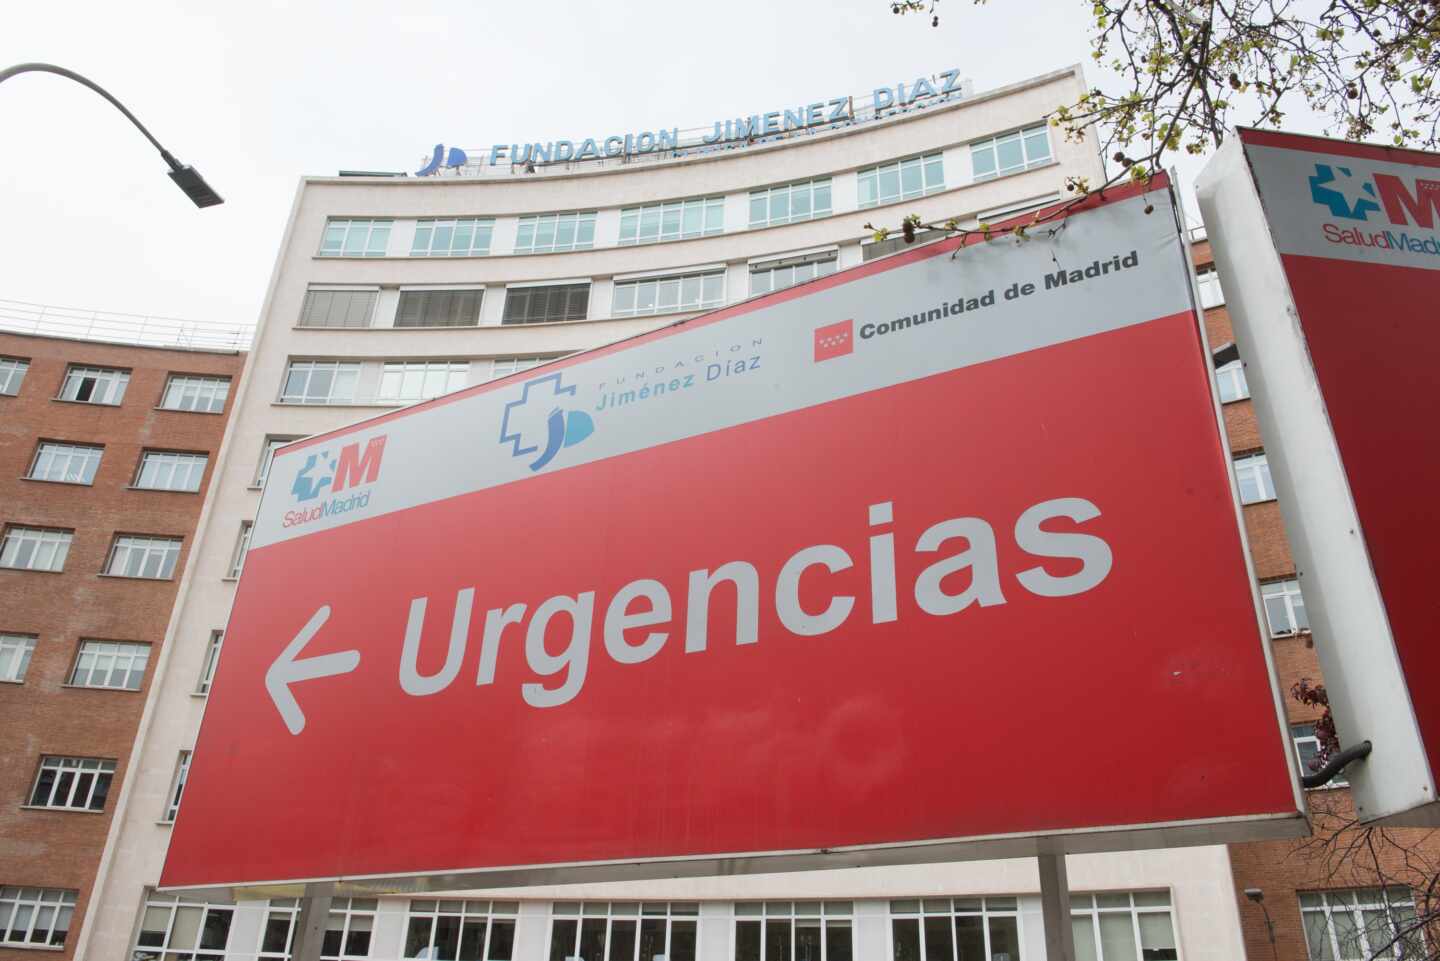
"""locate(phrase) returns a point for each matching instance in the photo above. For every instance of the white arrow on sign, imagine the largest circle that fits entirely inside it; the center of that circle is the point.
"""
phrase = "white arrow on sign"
(287, 670)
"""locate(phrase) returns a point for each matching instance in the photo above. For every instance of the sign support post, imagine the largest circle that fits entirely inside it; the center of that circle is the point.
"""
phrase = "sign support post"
(310, 925)
(1054, 908)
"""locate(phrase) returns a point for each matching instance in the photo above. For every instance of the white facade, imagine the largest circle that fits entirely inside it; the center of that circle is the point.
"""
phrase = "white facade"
(1190, 889)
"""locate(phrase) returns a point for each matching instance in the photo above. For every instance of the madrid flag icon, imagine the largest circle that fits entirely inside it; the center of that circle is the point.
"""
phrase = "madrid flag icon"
(834, 340)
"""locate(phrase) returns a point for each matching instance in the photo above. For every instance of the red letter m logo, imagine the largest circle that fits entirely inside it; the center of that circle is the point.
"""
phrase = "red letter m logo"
(1398, 201)
(355, 468)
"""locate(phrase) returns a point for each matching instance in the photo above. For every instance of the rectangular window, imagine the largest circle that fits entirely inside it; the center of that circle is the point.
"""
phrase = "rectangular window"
(789, 203)
(901, 180)
(273, 442)
(472, 930)
(405, 382)
(15, 651)
(551, 233)
(12, 375)
(35, 548)
(95, 385)
(676, 220)
(35, 916)
(1252, 472)
(72, 783)
(65, 463)
(349, 929)
(1307, 751)
(666, 295)
(1361, 923)
(1211, 294)
(177, 787)
(814, 930)
(504, 366)
(205, 395)
(439, 308)
(1123, 927)
(465, 237)
(169, 471)
(546, 305)
(212, 658)
(1231, 378)
(338, 308)
(1010, 153)
(946, 928)
(242, 544)
(1284, 607)
(278, 933)
(355, 238)
(139, 556)
(320, 382)
(775, 275)
(174, 930)
(118, 665)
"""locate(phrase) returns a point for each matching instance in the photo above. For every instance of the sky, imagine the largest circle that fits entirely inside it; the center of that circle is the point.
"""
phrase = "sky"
(256, 95)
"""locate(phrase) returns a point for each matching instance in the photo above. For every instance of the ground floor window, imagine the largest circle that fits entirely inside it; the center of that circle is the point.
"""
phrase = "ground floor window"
(33, 917)
(794, 931)
(956, 929)
(1361, 924)
(1125, 926)
(624, 930)
(179, 930)
(461, 930)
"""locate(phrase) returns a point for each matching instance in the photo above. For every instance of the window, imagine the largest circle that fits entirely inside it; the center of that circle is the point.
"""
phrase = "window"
(320, 382)
(65, 463)
(212, 658)
(1211, 294)
(902, 180)
(439, 308)
(355, 238)
(203, 394)
(166, 471)
(242, 544)
(35, 915)
(942, 929)
(1359, 924)
(139, 556)
(35, 548)
(12, 375)
(778, 274)
(338, 308)
(1307, 749)
(174, 930)
(551, 233)
(114, 664)
(278, 933)
(72, 783)
(177, 787)
(788, 203)
(1231, 378)
(347, 930)
(774, 930)
(15, 651)
(503, 366)
(1010, 153)
(473, 930)
(664, 295)
(546, 305)
(403, 382)
(1284, 607)
(273, 442)
(1252, 472)
(95, 385)
(623, 931)
(468, 237)
(676, 220)
(1123, 927)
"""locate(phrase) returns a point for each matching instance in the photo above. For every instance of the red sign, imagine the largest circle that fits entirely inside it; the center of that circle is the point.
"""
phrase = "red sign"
(766, 592)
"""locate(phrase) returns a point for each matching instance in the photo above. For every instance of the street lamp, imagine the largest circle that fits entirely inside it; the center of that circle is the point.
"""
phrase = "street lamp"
(187, 178)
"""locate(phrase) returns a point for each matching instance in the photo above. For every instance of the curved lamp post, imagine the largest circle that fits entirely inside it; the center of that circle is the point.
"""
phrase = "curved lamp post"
(186, 178)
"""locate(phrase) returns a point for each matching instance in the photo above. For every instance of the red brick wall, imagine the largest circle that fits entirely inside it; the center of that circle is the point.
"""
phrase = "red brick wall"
(61, 849)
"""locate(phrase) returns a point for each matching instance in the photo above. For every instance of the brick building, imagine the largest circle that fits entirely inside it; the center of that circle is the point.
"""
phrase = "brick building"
(1337, 897)
(106, 452)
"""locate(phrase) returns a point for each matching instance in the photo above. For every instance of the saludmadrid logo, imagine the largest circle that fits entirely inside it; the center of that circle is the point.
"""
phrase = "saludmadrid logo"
(1350, 195)
(353, 468)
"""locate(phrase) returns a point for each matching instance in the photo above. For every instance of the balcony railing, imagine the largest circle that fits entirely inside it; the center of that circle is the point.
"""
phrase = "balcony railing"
(20, 317)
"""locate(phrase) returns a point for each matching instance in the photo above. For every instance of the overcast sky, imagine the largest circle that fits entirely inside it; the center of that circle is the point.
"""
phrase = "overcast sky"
(257, 94)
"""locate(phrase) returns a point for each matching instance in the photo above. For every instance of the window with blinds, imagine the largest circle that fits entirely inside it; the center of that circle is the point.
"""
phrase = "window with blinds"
(546, 305)
(439, 308)
(337, 308)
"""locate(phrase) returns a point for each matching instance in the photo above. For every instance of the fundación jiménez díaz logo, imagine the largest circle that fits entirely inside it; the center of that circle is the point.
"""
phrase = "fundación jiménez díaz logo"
(535, 423)
(320, 472)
